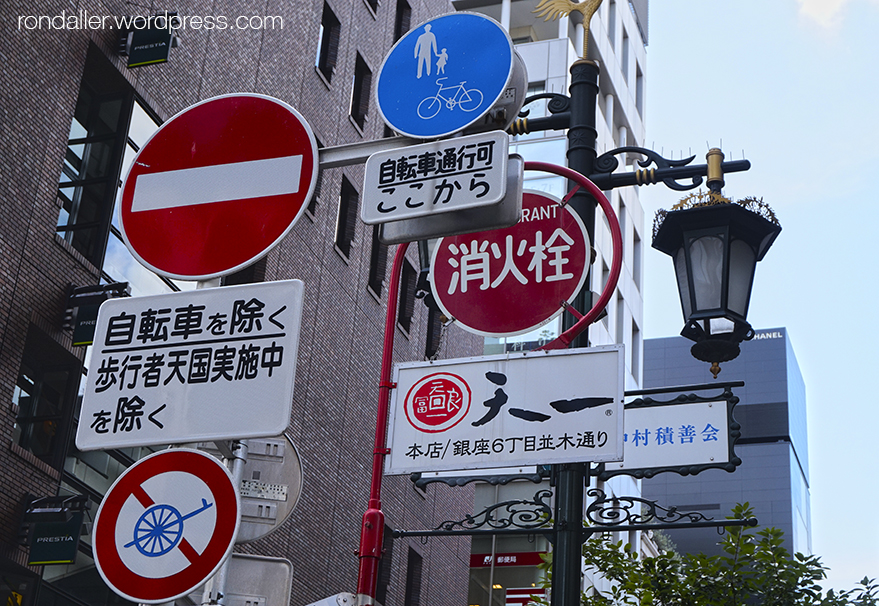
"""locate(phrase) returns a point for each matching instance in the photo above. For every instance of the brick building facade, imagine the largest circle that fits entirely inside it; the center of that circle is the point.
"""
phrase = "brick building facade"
(72, 116)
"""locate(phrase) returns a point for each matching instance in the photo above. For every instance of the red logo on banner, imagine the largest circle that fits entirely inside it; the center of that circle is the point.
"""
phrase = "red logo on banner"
(437, 402)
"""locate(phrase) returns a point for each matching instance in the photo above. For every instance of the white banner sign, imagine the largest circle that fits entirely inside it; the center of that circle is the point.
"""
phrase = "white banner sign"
(675, 435)
(507, 410)
(440, 177)
(203, 365)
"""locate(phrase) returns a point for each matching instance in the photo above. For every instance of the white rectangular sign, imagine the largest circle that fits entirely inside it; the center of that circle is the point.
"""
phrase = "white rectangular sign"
(202, 365)
(675, 435)
(438, 177)
(507, 410)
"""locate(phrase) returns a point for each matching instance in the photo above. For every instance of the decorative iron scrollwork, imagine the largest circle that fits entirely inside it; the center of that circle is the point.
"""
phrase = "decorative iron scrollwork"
(557, 103)
(522, 514)
(607, 163)
(621, 511)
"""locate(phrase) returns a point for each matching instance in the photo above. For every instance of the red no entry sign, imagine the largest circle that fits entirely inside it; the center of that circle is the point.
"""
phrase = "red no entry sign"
(218, 185)
(166, 525)
(510, 281)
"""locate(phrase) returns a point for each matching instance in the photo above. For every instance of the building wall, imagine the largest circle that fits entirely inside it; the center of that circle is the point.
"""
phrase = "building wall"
(774, 474)
(343, 320)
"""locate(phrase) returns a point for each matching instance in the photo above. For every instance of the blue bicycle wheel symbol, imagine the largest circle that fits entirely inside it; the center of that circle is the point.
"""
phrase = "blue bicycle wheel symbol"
(160, 528)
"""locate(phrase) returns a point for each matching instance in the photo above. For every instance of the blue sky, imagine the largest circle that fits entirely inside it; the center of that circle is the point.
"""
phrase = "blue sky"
(791, 85)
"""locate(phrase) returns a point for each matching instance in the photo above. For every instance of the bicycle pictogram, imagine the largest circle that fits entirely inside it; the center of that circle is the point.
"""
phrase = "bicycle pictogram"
(451, 97)
(160, 528)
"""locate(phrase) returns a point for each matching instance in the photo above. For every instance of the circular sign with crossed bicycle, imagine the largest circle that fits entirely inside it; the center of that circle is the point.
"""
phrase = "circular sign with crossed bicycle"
(166, 525)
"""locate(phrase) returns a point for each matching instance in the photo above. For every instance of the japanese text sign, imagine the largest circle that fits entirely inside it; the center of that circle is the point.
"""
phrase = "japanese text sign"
(677, 437)
(507, 410)
(436, 177)
(510, 281)
(209, 364)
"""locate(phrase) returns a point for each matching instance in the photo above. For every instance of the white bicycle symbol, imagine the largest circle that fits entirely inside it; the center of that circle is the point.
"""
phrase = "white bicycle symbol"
(455, 96)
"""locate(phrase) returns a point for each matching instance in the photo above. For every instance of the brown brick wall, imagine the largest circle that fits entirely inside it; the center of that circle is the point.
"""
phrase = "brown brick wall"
(340, 348)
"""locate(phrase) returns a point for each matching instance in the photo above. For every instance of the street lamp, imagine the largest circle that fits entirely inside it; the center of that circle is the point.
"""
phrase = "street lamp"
(715, 245)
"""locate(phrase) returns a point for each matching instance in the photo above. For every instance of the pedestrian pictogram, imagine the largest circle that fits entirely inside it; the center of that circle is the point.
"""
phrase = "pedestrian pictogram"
(166, 525)
(444, 75)
(217, 186)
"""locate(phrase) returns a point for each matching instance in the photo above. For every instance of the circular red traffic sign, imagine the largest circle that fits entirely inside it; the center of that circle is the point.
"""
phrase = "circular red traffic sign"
(217, 186)
(166, 525)
(509, 281)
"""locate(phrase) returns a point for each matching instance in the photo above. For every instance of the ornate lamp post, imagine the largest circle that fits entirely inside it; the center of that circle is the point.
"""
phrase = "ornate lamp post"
(715, 245)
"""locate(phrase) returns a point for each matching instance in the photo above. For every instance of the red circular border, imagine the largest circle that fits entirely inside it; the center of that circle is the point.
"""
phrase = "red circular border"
(144, 589)
(421, 382)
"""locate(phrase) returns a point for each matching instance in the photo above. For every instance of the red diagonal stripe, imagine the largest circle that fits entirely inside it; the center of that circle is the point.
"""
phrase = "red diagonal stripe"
(187, 550)
(142, 497)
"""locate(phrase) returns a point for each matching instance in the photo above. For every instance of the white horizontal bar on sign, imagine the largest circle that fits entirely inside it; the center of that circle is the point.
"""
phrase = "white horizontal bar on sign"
(217, 183)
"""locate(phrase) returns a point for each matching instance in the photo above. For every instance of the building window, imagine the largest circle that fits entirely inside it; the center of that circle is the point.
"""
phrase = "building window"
(348, 201)
(384, 566)
(402, 19)
(109, 126)
(612, 23)
(637, 253)
(413, 579)
(378, 262)
(624, 64)
(95, 146)
(360, 92)
(434, 333)
(373, 5)
(328, 44)
(406, 305)
(639, 89)
(636, 350)
(43, 397)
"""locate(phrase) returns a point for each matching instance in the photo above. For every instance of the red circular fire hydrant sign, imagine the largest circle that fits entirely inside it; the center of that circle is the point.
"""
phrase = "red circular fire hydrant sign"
(437, 402)
(509, 281)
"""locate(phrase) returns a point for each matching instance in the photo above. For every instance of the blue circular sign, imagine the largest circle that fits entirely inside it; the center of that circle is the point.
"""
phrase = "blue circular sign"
(444, 75)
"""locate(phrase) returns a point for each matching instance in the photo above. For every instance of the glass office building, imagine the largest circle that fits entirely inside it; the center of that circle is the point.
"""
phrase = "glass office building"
(774, 449)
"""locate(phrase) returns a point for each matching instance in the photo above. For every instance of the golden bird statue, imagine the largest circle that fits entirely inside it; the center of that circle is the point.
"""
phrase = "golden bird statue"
(554, 9)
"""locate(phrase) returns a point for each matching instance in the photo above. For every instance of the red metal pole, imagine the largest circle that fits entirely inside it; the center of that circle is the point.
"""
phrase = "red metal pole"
(372, 528)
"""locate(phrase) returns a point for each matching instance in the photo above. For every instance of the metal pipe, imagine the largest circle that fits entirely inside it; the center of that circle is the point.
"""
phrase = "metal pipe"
(372, 527)
(215, 589)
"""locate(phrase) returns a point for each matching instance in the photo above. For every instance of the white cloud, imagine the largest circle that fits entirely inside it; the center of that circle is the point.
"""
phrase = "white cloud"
(826, 13)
